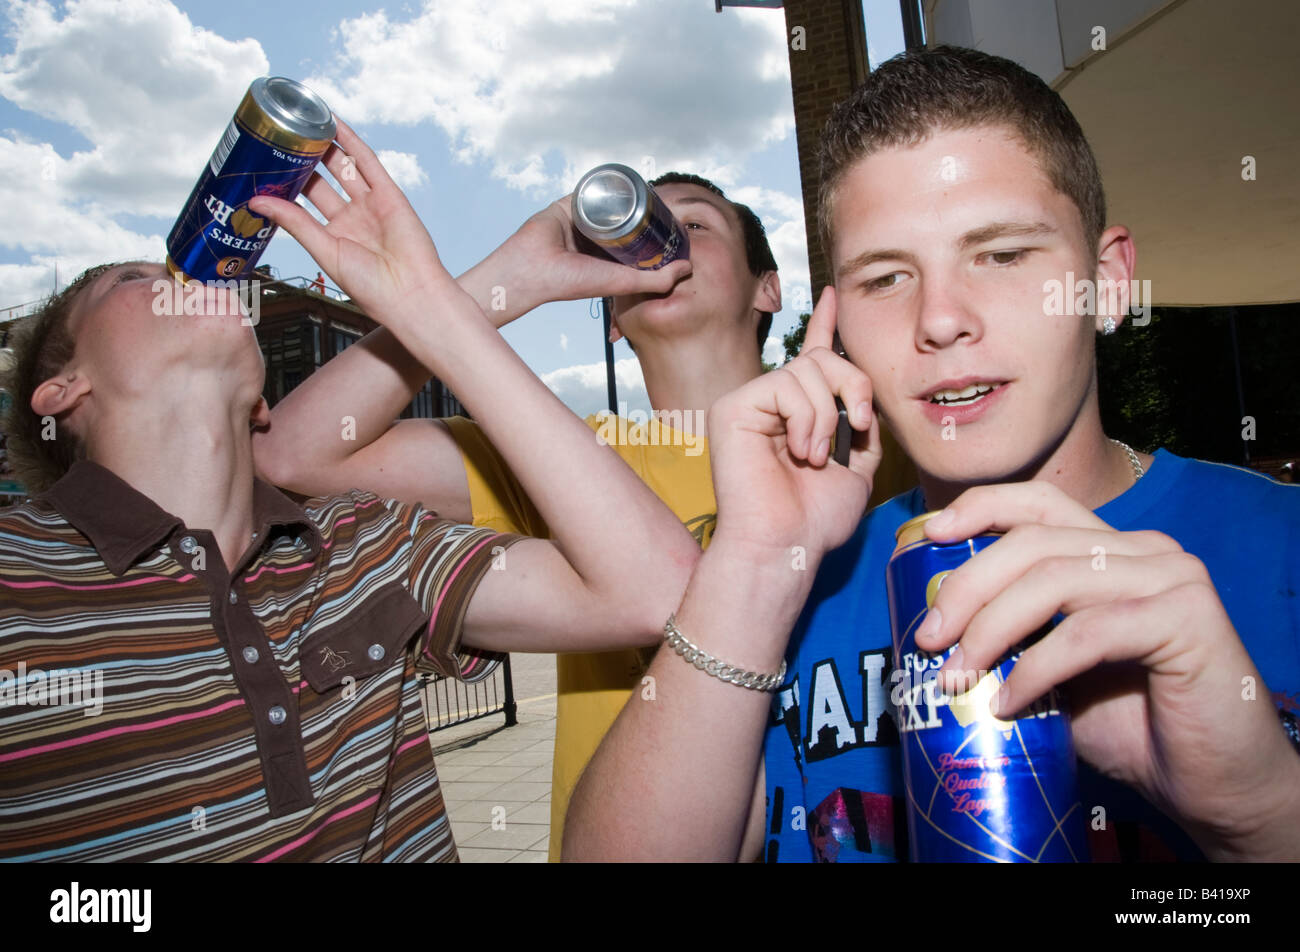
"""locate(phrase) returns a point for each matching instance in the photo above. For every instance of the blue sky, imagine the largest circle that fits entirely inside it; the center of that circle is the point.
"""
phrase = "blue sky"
(484, 111)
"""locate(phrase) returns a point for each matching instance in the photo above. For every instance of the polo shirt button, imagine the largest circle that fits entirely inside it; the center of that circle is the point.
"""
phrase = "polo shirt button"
(251, 655)
(233, 598)
(376, 652)
(189, 545)
(276, 715)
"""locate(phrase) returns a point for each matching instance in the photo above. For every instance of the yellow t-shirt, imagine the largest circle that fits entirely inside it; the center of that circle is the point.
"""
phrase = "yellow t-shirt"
(592, 688)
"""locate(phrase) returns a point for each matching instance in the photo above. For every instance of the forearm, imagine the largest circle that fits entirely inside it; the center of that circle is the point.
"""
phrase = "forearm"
(673, 778)
(369, 384)
(628, 549)
(491, 286)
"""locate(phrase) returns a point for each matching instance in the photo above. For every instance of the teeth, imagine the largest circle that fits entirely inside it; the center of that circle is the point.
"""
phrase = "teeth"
(961, 397)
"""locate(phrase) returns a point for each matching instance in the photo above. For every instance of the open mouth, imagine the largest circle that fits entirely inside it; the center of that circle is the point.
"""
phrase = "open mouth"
(963, 397)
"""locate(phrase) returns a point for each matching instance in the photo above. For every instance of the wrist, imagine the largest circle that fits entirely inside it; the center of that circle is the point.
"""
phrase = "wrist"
(438, 326)
(779, 565)
(501, 299)
(1268, 830)
(743, 600)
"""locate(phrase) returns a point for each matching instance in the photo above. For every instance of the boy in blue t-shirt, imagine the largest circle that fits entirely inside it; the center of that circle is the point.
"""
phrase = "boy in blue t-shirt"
(832, 754)
(958, 199)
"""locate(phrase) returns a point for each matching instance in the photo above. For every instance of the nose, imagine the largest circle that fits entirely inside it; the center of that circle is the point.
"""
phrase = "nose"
(945, 314)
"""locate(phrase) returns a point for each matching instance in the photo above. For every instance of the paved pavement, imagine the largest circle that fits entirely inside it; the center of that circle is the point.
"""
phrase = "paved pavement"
(496, 780)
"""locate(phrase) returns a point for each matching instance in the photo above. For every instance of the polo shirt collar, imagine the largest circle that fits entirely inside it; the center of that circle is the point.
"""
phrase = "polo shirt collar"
(123, 524)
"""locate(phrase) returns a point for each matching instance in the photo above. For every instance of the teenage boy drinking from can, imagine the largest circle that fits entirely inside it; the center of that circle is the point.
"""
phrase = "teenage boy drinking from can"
(257, 660)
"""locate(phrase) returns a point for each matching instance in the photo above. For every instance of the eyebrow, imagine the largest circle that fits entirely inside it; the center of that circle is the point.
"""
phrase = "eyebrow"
(972, 238)
(694, 200)
(96, 285)
(871, 257)
(1004, 229)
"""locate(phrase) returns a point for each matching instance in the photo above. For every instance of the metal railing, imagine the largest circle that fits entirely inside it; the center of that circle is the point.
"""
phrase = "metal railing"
(303, 283)
(19, 310)
(448, 702)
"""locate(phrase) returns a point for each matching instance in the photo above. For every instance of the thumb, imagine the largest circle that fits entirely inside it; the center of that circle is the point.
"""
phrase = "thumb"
(821, 325)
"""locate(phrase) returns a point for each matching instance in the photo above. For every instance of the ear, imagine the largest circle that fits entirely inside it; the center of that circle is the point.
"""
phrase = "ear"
(260, 416)
(60, 394)
(767, 296)
(1116, 261)
(615, 332)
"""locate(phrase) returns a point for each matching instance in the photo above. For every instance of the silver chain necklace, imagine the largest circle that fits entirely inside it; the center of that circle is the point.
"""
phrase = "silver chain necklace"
(1138, 471)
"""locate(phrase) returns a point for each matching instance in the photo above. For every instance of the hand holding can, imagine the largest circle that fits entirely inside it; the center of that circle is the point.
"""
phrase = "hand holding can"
(979, 788)
(275, 140)
(615, 208)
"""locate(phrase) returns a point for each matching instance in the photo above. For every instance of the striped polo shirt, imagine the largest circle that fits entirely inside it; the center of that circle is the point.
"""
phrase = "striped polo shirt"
(155, 706)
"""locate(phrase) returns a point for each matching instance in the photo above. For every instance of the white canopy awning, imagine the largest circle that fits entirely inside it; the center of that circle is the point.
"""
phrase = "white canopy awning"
(1183, 93)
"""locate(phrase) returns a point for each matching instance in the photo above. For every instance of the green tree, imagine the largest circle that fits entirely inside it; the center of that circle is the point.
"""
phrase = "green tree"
(793, 340)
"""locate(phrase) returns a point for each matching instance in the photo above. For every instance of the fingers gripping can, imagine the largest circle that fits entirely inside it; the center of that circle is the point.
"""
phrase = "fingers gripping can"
(979, 789)
(616, 209)
(275, 140)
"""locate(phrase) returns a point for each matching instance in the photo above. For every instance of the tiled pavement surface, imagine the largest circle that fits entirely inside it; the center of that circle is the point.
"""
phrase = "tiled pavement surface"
(496, 780)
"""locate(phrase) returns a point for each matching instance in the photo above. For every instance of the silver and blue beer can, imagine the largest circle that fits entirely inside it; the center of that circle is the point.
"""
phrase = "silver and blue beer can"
(278, 135)
(979, 788)
(624, 216)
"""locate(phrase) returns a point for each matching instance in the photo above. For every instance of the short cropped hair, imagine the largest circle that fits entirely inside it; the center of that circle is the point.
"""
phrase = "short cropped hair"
(919, 92)
(758, 253)
(43, 345)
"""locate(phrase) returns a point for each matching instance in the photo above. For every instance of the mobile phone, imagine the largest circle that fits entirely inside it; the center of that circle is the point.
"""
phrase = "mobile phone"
(843, 439)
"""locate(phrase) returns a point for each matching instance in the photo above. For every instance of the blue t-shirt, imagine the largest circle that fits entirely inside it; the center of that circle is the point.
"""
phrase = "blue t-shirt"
(834, 767)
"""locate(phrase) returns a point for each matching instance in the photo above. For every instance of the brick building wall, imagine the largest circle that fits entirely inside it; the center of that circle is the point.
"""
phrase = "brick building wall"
(827, 43)
(831, 63)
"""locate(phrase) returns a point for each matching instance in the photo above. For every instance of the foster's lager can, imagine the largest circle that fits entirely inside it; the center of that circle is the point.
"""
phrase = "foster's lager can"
(279, 133)
(979, 789)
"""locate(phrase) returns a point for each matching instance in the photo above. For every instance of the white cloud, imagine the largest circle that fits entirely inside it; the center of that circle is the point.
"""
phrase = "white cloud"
(769, 199)
(146, 89)
(541, 92)
(564, 342)
(535, 93)
(403, 168)
(774, 351)
(782, 216)
(583, 390)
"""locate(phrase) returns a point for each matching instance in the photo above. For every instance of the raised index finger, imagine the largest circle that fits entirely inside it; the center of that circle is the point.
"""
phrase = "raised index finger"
(821, 325)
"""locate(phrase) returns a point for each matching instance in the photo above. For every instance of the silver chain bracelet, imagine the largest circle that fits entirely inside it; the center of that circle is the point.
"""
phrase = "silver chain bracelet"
(711, 665)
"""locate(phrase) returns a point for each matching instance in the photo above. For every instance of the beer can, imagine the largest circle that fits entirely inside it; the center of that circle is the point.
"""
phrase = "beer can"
(616, 209)
(279, 133)
(979, 788)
